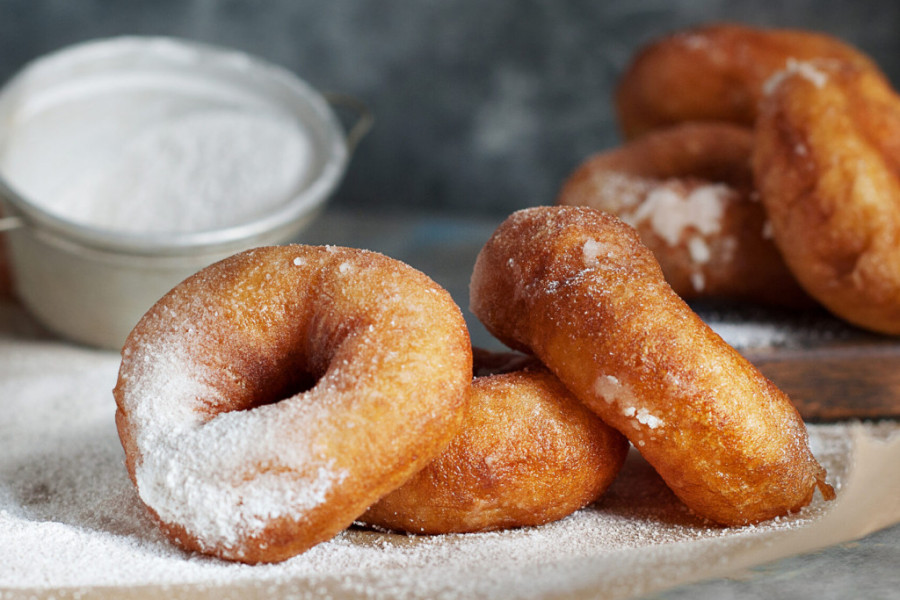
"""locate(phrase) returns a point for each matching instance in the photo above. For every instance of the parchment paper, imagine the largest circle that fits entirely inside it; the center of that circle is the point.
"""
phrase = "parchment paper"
(71, 524)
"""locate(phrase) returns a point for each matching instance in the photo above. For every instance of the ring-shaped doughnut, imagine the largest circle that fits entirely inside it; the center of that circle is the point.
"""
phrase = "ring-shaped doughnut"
(589, 300)
(228, 445)
(827, 162)
(715, 73)
(528, 453)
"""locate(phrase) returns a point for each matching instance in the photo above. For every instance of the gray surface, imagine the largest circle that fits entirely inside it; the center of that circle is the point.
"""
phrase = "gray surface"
(481, 106)
(868, 568)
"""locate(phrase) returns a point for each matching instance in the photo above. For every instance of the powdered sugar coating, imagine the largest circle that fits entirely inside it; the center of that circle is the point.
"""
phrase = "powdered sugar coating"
(688, 191)
(203, 473)
(671, 214)
(231, 458)
(804, 68)
(679, 218)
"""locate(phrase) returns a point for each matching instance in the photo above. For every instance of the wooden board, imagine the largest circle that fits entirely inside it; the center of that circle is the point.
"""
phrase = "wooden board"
(831, 370)
(837, 383)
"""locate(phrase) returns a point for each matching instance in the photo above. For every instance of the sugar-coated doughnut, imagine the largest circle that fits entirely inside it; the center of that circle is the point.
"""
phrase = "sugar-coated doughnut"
(575, 287)
(267, 401)
(714, 73)
(688, 190)
(528, 453)
(827, 159)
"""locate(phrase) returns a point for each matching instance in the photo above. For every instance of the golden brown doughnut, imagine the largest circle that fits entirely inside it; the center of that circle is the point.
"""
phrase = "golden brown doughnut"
(575, 287)
(688, 190)
(827, 159)
(228, 445)
(714, 73)
(528, 453)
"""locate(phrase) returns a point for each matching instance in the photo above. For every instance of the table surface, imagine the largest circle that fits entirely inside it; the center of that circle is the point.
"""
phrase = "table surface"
(445, 248)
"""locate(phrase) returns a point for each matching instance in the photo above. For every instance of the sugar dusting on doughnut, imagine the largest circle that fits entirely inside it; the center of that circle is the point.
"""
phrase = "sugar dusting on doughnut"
(268, 400)
(682, 214)
(718, 73)
(725, 439)
(688, 191)
(193, 469)
(674, 214)
(806, 69)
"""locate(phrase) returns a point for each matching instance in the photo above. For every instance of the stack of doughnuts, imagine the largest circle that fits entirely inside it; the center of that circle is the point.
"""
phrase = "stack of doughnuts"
(760, 165)
(589, 300)
(274, 398)
(279, 396)
(688, 190)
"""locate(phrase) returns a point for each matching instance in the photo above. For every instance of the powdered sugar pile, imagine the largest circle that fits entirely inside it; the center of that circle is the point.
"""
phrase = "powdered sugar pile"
(197, 172)
(671, 213)
(70, 518)
(170, 138)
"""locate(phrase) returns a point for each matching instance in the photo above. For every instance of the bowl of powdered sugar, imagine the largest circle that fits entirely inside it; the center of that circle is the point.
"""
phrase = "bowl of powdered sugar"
(129, 163)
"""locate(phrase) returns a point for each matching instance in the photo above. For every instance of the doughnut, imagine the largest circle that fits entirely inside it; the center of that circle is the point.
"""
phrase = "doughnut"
(528, 453)
(714, 73)
(827, 162)
(688, 190)
(588, 299)
(265, 402)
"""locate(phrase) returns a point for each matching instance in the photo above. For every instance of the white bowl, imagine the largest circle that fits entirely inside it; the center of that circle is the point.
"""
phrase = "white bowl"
(92, 284)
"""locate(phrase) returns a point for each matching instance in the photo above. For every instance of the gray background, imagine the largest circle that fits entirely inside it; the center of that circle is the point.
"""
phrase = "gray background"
(482, 107)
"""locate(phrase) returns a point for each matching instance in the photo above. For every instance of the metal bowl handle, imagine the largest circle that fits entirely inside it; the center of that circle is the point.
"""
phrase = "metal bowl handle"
(364, 117)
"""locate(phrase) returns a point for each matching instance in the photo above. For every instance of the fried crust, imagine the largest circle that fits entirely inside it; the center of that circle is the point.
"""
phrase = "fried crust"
(528, 453)
(827, 162)
(715, 73)
(587, 298)
(229, 457)
(698, 176)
